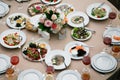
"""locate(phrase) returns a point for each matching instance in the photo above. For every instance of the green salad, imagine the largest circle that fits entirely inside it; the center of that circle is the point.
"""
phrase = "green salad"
(80, 33)
(98, 12)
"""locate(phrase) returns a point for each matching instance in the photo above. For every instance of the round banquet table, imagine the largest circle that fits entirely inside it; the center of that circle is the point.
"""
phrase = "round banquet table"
(55, 43)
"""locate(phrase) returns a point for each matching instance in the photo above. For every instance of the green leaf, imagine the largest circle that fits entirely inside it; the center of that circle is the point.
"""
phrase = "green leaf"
(35, 10)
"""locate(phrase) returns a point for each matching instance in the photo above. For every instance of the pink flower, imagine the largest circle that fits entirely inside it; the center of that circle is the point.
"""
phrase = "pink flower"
(54, 17)
(54, 26)
(42, 20)
(38, 7)
(48, 23)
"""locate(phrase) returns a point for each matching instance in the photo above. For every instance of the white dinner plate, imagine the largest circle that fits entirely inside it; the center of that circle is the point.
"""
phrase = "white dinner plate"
(30, 74)
(4, 63)
(12, 31)
(51, 54)
(51, 3)
(4, 9)
(73, 44)
(94, 5)
(103, 62)
(77, 13)
(12, 24)
(65, 8)
(87, 38)
(40, 41)
(111, 32)
(68, 75)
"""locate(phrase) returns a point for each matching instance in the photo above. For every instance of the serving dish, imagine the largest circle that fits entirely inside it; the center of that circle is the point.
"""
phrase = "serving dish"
(81, 34)
(98, 13)
(12, 38)
(36, 50)
(77, 19)
(65, 8)
(17, 20)
(77, 49)
(52, 55)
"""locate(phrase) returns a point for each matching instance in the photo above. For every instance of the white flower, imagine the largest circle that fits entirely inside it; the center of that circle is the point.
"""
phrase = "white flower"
(54, 17)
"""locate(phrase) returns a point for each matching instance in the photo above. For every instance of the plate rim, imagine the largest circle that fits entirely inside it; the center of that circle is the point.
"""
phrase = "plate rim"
(103, 55)
(60, 75)
(7, 7)
(8, 59)
(30, 70)
(99, 70)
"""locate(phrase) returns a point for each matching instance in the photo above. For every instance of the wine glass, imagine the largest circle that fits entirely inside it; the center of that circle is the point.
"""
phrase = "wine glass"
(112, 15)
(107, 41)
(20, 5)
(86, 71)
(50, 69)
(116, 52)
(14, 61)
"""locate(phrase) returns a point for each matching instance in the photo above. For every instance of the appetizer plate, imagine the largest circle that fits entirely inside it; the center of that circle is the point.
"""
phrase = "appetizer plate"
(114, 33)
(82, 39)
(4, 63)
(36, 8)
(51, 3)
(68, 75)
(17, 20)
(103, 62)
(52, 54)
(95, 5)
(65, 7)
(30, 74)
(42, 43)
(72, 44)
(4, 9)
(77, 19)
(8, 32)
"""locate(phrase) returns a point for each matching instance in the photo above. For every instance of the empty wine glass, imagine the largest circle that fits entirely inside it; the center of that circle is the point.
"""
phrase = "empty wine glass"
(20, 5)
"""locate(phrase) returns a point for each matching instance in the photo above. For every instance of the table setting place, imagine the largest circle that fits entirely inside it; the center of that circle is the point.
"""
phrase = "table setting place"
(54, 17)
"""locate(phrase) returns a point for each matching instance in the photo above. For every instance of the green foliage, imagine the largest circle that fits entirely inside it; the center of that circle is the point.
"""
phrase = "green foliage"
(35, 10)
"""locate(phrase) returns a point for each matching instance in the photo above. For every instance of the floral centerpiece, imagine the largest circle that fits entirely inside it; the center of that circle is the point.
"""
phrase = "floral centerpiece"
(51, 21)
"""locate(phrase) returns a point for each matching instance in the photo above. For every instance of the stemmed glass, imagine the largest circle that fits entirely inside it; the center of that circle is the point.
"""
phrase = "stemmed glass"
(116, 52)
(107, 41)
(86, 71)
(20, 5)
(50, 70)
(112, 15)
(14, 61)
